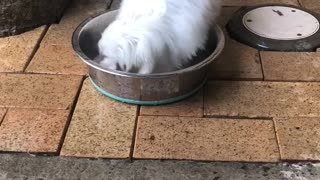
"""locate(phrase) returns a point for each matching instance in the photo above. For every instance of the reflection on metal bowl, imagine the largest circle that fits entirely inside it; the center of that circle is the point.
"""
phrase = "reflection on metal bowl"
(153, 89)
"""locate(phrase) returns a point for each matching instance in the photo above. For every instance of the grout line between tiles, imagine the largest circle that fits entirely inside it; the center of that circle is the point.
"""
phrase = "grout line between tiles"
(110, 5)
(232, 80)
(237, 117)
(39, 73)
(47, 74)
(277, 137)
(134, 135)
(43, 154)
(66, 127)
(179, 116)
(67, 6)
(203, 98)
(34, 51)
(208, 161)
(261, 63)
(235, 79)
(276, 81)
(292, 81)
(213, 117)
(35, 108)
(2, 119)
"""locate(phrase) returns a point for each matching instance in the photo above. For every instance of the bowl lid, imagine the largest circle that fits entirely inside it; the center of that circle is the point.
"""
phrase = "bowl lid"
(276, 27)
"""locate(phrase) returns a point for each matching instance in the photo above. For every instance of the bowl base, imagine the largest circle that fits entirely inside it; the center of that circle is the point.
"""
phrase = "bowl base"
(148, 103)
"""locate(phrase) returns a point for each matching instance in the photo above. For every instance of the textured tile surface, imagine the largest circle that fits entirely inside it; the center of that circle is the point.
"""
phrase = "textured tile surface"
(299, 138)
(258, 2)
(262, 99)
(192, 107)
(61, 34)
(206, 139)
(56, 55)
(115, 4)
(58, 35)
(26, 130)
(91, 4)
(15, 51)
(291, 66)
(226, 14)
(2, 113)
(100, 127)
(55, 59)
(38, 91)
(237, 61)
(310, 4)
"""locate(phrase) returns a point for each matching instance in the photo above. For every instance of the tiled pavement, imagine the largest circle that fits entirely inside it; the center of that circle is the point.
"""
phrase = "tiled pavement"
(257, 107)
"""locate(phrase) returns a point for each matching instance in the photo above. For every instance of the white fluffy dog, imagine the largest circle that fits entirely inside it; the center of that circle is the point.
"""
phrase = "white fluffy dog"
(154, 36)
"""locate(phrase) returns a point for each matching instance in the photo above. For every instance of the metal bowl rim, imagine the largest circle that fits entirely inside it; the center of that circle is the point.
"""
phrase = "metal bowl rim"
(92, 64)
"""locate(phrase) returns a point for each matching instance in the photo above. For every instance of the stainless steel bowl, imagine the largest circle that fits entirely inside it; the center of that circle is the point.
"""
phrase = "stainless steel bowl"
(154, 89)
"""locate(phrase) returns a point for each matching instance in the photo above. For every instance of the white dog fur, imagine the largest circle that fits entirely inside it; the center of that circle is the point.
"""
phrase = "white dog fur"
(154, 36)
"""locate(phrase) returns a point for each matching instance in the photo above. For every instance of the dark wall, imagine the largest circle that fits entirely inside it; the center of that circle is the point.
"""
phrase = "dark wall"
(18, 16)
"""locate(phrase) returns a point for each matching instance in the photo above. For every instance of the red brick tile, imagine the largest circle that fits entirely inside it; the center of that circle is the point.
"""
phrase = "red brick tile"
(61, 34)
(2, 113)
(115, 4)
(206, 139)
(192, 107)
(237, 61)
(100, 127)
(310, 4)
(299, 138)
(30, 130)
(56, 55)
(56, 59)
(38, 91)
(262, 99)
(16, 51)
(225, 15)
(291, 66)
